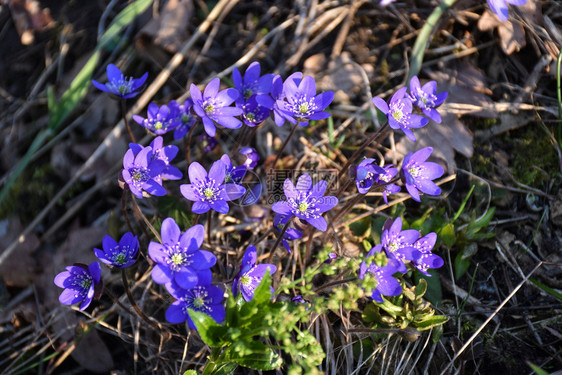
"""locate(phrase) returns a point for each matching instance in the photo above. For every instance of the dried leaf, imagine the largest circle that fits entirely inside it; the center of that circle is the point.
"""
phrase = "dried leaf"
(29, 17)
(169, 30)
(92, 353)
(511, 34)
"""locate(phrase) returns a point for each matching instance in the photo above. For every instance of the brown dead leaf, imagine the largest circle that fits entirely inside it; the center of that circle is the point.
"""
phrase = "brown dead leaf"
(511, 34)
(167, 32)
(20, 267)
(29, 17)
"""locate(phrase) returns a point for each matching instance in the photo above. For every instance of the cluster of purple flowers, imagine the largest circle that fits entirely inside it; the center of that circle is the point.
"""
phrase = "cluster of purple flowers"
(401, 247)
(399, 109)
(82, 283)
(417, 174)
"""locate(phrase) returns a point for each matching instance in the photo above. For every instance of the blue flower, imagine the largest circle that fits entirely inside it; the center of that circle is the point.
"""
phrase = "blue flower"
(399, 113)
(81, 284)
(418, 174)
(119, 85)
(179, 258)
(232, 174)
(387, 285)
(119, 255)
(202, 297)
(426, 98)
(214, 106)
(399, 244)
(252, 157)
(427, 260)
(279, 222)
(141, 171)
(278, 96)
(366, 175)
(253, 113)
(306, 202)
(252, 84)
(210, 190)
(499, 7)
(160, 120)
(183, 117)
(250, 274)
(385, 178)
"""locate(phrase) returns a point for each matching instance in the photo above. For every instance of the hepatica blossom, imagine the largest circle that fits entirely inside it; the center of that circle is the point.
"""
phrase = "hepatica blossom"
(253, 113)
(306, 202)
(119, 255)
(179, 259)
(399, 113)
(252, 84)
(426, 98)
(366, 175)
(250, 274)
(279, 222)
(252, 157)
(208, 190)
(202, 297)
(499, 7)
(232, 174)
(418, 174)
(277, 97)
(81, 283)
(140, 171)
(387, 285)
(213, 106)
(159, 120)
(183, 118)
(119, 85)
(399, 244)
(385, 178)
(301, 104)
(427, 260)
(207, 142)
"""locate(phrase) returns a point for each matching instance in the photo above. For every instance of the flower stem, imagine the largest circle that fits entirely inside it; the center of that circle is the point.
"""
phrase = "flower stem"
(355, 155)
(124, 114)
(136, 307)
(140, 214)
(279, 238)
(188, 146)
(284, 145)
(209, 226)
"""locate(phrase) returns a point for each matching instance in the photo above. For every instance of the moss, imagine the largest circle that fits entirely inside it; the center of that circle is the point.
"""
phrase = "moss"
(534, 157)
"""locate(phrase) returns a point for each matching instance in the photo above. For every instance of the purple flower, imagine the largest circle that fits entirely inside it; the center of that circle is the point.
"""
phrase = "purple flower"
(301, 103)
(252, 157)
(81, 283)
(183, 117)
(166, 154)
(253, 113)
(418, 174)
(209, 190)
(499, 7)
(399, 244)
(384, 178)
(386, 2)
(252, 84)
(277, 96)
(299, 299)
(214, 106)
(232, 174)
(279, 222)
(399, 113)
(306, 202)
(366, 174)
(119, 85)
(141, 171)
(250, 274)
(427, 259)
(202, 297)
(387, 285)
(160, 120)
(426, 98)
(179, 258)
(119, 255)
(331, 258)
(207, 142)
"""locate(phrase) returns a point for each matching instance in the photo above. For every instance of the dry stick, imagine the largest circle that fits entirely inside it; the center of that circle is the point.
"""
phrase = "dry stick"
(124, 114)
(239, 140)
(145, 219)
(188, 146)
(118, 129)
(156, 325)
(250, 136)
(475, 334)
(138, 217)
(279, 238)
(124, 209)
(284, 145)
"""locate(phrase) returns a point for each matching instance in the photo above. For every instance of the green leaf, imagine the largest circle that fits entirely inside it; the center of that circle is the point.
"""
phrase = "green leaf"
(537, 369)
(421, 288)
(461, 265)
(447, 234)
(261, 357)
(461, 208)
(431, 321)
(225, 368)
(209, 330)
(122, 20)
(190, 372)
(434, 294)
(547, 289)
